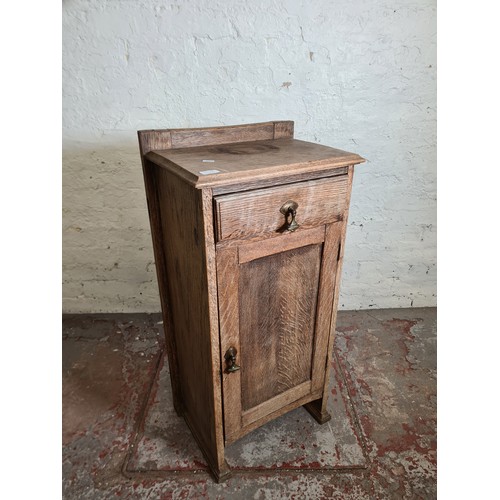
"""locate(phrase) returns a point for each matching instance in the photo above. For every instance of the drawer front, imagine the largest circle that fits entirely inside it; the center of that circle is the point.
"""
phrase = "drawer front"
(253, 213)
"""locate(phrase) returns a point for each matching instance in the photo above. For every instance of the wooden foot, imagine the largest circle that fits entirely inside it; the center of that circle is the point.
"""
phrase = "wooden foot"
(219, 468)
(315, 409)
(221, 474)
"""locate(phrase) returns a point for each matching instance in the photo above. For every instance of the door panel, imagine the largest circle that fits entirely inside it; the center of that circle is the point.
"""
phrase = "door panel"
(275, 304)
(277, 307)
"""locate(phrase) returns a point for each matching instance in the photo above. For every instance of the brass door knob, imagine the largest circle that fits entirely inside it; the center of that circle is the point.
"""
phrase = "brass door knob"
(289, 209)
(230, 358)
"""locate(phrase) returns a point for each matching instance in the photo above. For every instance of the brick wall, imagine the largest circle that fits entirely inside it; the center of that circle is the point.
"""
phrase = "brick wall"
(357, 75)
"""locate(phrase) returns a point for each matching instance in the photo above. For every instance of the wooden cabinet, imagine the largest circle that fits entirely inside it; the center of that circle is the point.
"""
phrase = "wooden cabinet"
(248, 226)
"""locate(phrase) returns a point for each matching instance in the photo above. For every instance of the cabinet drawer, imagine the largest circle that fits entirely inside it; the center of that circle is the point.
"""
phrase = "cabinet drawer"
(257, 212)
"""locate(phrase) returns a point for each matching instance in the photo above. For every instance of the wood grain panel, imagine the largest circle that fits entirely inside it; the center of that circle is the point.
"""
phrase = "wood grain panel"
(251, 161)
(311, 397)
(277, 180)
(325, 302)
(317, 408)
(241, 215)
(182, 138)
(149, 140)
(277, 304)
(161, 139)
(286, 241)
(283, 399)
(189, 262)
(283, 130)
(228, 279)
(219, 467)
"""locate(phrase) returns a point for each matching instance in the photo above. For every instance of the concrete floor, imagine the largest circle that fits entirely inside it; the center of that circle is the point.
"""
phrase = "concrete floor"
(121, 437)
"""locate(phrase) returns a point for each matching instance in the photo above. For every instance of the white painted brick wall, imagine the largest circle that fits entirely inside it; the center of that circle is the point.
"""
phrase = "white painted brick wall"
(359, 75)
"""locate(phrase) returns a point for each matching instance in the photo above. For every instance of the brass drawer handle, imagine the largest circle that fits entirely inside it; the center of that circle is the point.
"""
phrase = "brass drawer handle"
(230, 358)
(290, 208)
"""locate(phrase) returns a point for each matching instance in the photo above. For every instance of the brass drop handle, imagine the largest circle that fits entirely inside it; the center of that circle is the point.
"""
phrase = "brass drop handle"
(230, 358)
(290, 209)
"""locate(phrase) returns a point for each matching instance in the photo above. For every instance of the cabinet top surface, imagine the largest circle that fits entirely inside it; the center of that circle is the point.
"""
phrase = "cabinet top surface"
(220, 164)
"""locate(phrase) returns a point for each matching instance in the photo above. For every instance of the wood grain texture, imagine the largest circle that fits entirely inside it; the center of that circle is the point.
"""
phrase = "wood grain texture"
(252, 161)
(263, 238)
(151, 140)
(313, 396)
(160, 139)
(295, 366)
(228, 280)
(220, 467)
(283, 130)
(278, 180)
(317, 408)
(321, 201)
(325, 302)
(269, 293)
(189, 268)
(146, 142)
(182, 138)
(287, 241)
(277, 300)
(283, 399)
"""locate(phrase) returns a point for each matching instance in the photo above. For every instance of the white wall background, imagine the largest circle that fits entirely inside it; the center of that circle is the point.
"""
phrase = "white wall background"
(358, 75)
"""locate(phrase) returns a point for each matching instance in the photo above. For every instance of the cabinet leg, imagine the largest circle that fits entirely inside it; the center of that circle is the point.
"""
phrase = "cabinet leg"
(317, 409)
(213, 454)
(221, 474)
(219, 470)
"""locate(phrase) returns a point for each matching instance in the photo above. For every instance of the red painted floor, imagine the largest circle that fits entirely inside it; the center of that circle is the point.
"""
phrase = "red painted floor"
(122, 439)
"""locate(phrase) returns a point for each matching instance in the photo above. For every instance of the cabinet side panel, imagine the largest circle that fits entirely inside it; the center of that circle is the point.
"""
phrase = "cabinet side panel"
(181, 208)
(161, 273)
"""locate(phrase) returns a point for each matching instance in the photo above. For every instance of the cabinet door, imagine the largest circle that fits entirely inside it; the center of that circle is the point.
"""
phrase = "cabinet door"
(275, 307)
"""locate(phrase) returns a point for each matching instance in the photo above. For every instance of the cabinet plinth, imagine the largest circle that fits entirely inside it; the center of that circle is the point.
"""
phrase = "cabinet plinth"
(248, 226)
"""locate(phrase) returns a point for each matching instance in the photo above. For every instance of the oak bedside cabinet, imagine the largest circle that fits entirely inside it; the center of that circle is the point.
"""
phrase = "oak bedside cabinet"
(248, 226)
